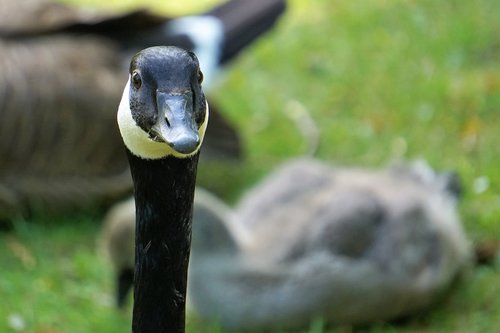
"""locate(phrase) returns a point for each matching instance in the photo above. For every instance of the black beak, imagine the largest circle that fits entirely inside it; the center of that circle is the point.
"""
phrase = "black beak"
(176, 125)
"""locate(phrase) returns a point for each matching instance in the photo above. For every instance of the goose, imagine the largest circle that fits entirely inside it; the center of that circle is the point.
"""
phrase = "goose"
(352, 245)
(162, 119)
(62, 69)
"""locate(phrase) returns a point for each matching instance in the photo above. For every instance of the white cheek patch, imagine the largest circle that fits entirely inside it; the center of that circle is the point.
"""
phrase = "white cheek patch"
(139, 142)
(203, 126)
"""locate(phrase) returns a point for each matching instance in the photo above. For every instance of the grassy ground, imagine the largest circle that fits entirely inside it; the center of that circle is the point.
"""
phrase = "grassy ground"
(382, 79)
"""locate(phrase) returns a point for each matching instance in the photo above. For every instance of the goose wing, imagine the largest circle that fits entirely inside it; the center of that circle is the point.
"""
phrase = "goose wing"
(59, 141)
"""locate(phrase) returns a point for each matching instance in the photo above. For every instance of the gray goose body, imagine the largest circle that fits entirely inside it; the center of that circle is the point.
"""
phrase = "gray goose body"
(352, 245)
(61, 75)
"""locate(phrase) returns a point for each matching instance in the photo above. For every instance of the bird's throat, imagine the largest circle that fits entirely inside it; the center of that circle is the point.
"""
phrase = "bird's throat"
(163, 239)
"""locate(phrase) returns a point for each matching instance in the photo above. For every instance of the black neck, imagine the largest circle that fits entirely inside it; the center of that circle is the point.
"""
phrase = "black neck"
(164, 192)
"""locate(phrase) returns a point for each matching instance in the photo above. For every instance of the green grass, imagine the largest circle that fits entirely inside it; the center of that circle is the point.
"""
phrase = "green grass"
(382, 79)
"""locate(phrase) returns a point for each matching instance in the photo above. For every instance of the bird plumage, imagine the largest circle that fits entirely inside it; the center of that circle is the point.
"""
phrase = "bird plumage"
(62, 71)
(351, 245)
(162, 119)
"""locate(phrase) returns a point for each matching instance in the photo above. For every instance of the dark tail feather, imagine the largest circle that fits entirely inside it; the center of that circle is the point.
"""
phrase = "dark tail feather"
(244, 21)
(125, 280)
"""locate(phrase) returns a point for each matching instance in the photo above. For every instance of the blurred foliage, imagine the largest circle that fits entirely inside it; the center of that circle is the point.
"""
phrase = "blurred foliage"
(381, 79)
(168, 8)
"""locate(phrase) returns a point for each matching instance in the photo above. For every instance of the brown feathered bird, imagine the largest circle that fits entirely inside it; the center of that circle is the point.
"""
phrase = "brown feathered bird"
(61, 75)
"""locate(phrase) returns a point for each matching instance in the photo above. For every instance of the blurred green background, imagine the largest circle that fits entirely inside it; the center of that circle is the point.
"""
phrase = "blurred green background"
(381, 79)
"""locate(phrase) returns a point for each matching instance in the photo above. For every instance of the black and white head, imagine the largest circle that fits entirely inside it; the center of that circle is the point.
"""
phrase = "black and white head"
(163, 111)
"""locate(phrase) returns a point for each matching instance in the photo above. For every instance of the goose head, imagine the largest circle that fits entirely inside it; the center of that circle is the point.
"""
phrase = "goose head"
(163, 111)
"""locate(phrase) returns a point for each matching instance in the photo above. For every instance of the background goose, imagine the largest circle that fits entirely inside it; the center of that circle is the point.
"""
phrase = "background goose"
(352, 245)
(62, 70)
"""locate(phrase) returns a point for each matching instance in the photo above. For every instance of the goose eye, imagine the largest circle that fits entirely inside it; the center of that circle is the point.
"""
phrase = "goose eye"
(136, 80)
(200, 77)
